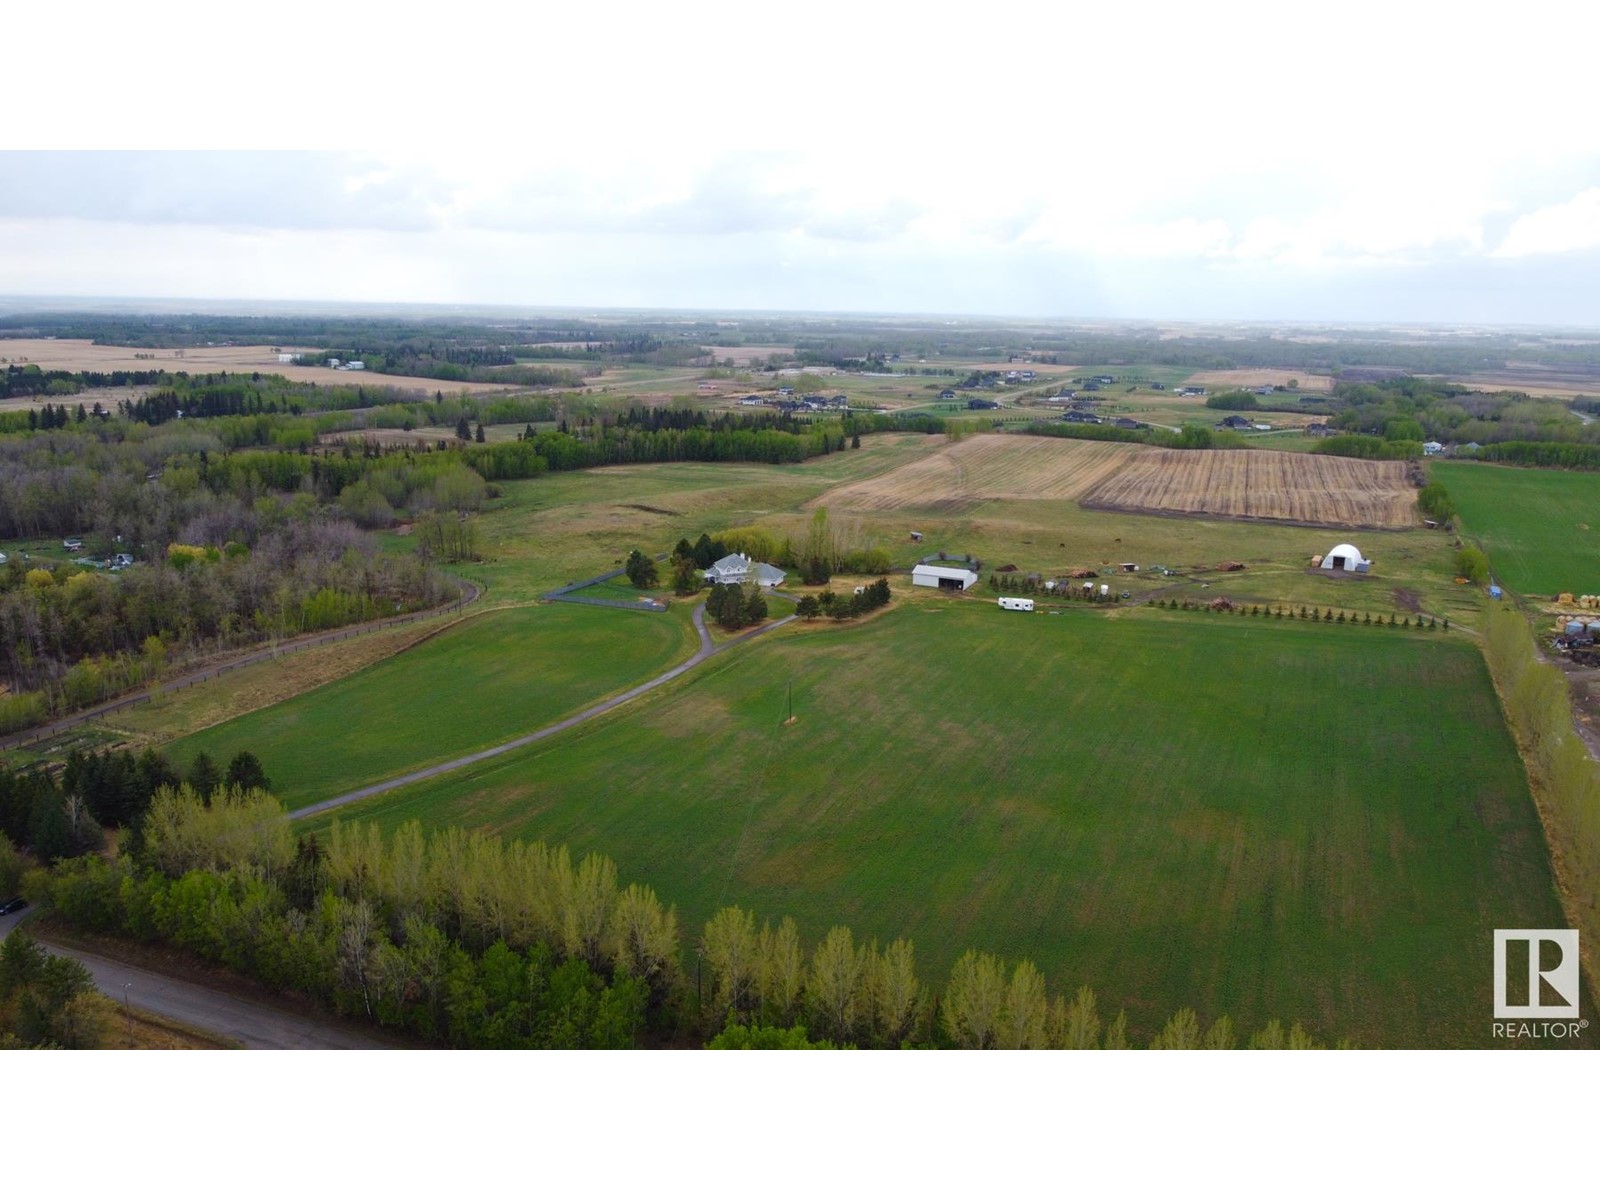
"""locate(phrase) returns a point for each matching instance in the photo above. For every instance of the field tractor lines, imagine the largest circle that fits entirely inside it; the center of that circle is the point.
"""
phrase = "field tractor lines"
(1264, 485)
(985, 467)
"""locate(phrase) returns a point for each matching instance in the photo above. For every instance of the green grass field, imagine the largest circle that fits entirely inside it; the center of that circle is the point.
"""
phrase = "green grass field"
(1540, 528)
(573, 525)
(1252, 817)
(481, 682)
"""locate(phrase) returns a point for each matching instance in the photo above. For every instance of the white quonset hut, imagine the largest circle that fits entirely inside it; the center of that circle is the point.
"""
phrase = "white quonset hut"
(953, 579)
(1345, 557)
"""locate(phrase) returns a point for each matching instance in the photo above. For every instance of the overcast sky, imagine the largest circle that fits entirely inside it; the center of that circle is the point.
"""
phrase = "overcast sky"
(1360, 162)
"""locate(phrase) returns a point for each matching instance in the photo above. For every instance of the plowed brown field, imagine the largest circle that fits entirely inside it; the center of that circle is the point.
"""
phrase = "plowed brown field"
(990, 466)
(1267, 485)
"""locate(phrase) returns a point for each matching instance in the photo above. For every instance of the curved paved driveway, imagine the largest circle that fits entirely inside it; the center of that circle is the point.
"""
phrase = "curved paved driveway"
(706, 650)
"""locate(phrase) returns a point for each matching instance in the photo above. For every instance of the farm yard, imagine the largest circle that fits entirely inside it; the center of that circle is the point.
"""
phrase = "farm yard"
(1306, 489)
(987, 467)
(1540, 528)
(1173, 809)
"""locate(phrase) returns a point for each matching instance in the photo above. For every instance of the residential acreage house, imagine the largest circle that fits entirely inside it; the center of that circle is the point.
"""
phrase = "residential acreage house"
(737, 568)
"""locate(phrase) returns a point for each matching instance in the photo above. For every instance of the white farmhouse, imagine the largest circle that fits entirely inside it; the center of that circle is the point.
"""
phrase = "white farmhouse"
(738, 568)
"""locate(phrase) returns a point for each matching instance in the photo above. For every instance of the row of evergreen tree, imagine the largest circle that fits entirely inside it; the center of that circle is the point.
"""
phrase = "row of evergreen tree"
(1325, 615)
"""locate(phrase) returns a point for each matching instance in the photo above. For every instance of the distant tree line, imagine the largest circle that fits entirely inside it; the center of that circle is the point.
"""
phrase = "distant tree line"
(1190, 437)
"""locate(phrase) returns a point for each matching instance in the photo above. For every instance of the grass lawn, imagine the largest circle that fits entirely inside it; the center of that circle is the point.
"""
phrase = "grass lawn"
(1247, 816)
(1540, 528)
(481, 682)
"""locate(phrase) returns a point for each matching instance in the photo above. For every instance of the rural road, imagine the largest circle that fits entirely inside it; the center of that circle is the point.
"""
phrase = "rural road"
(254, 1026)
(469, 593)
(706, 650)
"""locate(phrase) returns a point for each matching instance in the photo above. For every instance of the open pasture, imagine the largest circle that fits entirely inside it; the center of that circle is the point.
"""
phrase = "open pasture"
(1253, 817)
(988, 467)
(1540, 528)
(1254, 377)
(80, 354)
(483, 681)
(1306, 489)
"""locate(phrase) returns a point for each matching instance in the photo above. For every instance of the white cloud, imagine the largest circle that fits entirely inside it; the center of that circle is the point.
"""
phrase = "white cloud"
(1558, 229)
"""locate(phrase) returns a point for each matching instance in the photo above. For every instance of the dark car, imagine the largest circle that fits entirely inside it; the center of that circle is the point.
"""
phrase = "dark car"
(12, 905)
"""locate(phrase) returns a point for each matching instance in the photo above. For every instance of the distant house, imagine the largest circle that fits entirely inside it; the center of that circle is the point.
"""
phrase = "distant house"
(1081, 418)
(983, 404)
(738, 568)
(334, 363)
(1191, 391)
(840, 401)
(1316, 429)
(1129, 423)
(1468, 448)
(1432, 447)
(1234, 422)
(751, 401)
(286, 358)
(951, 579)
(947, 394)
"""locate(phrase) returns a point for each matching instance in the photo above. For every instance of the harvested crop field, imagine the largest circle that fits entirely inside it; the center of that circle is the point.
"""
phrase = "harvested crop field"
(991, 466)
(1262, 485)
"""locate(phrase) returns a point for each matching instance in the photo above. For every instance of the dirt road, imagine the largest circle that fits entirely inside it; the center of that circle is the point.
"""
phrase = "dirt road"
(706, 650)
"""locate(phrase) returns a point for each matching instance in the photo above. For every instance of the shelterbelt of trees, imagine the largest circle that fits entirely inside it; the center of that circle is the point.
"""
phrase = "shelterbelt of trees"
(464, 940)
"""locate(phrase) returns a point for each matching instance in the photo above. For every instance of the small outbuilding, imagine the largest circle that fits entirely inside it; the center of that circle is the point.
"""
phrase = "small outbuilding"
(1345, 557)
(1016, 603)
(951, 579)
